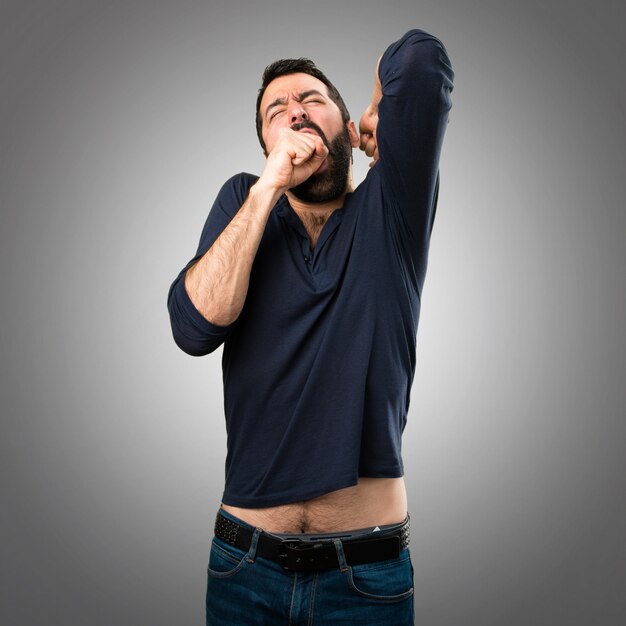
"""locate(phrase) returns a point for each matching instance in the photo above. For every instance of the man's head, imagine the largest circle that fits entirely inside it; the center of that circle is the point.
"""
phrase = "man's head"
(297, 95)
(284, 67)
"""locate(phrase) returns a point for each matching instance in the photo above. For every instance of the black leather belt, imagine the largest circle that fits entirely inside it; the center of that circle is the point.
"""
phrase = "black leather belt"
(297, 555)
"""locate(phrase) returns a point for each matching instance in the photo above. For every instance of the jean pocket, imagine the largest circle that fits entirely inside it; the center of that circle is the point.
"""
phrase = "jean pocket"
(385, 581)
(225, 560)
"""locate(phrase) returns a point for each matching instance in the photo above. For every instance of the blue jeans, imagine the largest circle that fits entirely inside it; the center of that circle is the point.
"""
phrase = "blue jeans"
(244, 589)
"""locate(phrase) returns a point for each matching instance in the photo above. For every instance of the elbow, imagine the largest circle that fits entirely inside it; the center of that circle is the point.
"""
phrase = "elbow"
(193, 346)
(419, 63)
(440, 72)
(192, 333)
(193, 340)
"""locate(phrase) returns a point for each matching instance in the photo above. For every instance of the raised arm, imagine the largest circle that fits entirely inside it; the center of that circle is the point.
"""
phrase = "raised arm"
(403, 126)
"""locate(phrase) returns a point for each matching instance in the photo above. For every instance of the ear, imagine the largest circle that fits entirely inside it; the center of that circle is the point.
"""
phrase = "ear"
(355, 140)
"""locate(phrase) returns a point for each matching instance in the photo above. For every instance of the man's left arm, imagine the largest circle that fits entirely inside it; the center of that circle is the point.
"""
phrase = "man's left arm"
(403, 127)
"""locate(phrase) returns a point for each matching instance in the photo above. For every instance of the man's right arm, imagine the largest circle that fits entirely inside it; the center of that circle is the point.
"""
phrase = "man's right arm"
(216, 284)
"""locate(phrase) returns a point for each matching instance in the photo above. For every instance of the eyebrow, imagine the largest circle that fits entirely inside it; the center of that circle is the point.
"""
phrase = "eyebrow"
(299, 98)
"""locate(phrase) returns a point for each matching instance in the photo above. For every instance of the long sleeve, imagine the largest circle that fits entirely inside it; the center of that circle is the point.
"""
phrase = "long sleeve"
(416, 77)
(192, 332)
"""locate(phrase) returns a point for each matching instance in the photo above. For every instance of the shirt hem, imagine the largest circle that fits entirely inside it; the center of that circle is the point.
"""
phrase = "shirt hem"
(349, 481)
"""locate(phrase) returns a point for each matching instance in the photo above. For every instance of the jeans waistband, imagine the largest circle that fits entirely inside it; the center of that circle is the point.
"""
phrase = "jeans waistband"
(341, 534)
(316, 551)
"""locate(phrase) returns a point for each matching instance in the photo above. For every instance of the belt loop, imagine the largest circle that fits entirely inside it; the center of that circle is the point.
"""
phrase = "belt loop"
(253, 544)
(341, 557)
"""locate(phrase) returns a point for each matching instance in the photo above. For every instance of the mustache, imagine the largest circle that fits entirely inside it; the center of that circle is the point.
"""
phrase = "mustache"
(317, 129)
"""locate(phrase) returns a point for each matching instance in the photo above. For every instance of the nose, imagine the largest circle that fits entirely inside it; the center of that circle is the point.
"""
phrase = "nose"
(297, 114)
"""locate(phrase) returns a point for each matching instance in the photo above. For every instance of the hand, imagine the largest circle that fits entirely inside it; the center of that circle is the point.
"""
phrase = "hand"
(293, 159)
(367, 132)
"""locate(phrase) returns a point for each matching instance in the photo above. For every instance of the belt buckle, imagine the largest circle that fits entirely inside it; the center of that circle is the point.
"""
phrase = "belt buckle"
(285, 545)
(297, 555)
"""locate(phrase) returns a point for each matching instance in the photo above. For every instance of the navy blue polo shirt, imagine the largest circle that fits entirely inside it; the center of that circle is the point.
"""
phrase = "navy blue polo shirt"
(318, 367)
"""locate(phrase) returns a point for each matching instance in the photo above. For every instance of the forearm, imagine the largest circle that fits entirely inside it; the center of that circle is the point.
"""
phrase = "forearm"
(218, 283)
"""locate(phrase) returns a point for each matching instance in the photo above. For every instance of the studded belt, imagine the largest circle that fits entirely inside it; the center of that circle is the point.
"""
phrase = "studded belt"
(297, 555)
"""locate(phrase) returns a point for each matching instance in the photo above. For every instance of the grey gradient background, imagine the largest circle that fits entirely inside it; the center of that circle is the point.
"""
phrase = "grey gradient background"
(118, 123)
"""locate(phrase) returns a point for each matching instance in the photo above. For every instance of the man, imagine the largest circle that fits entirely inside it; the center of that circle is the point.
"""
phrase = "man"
(314, 288)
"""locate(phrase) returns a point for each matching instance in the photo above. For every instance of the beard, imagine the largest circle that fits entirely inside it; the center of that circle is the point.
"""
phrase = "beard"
(332, 183)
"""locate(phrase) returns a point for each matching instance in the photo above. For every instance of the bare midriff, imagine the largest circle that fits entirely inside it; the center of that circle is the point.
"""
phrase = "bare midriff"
(371, 502)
